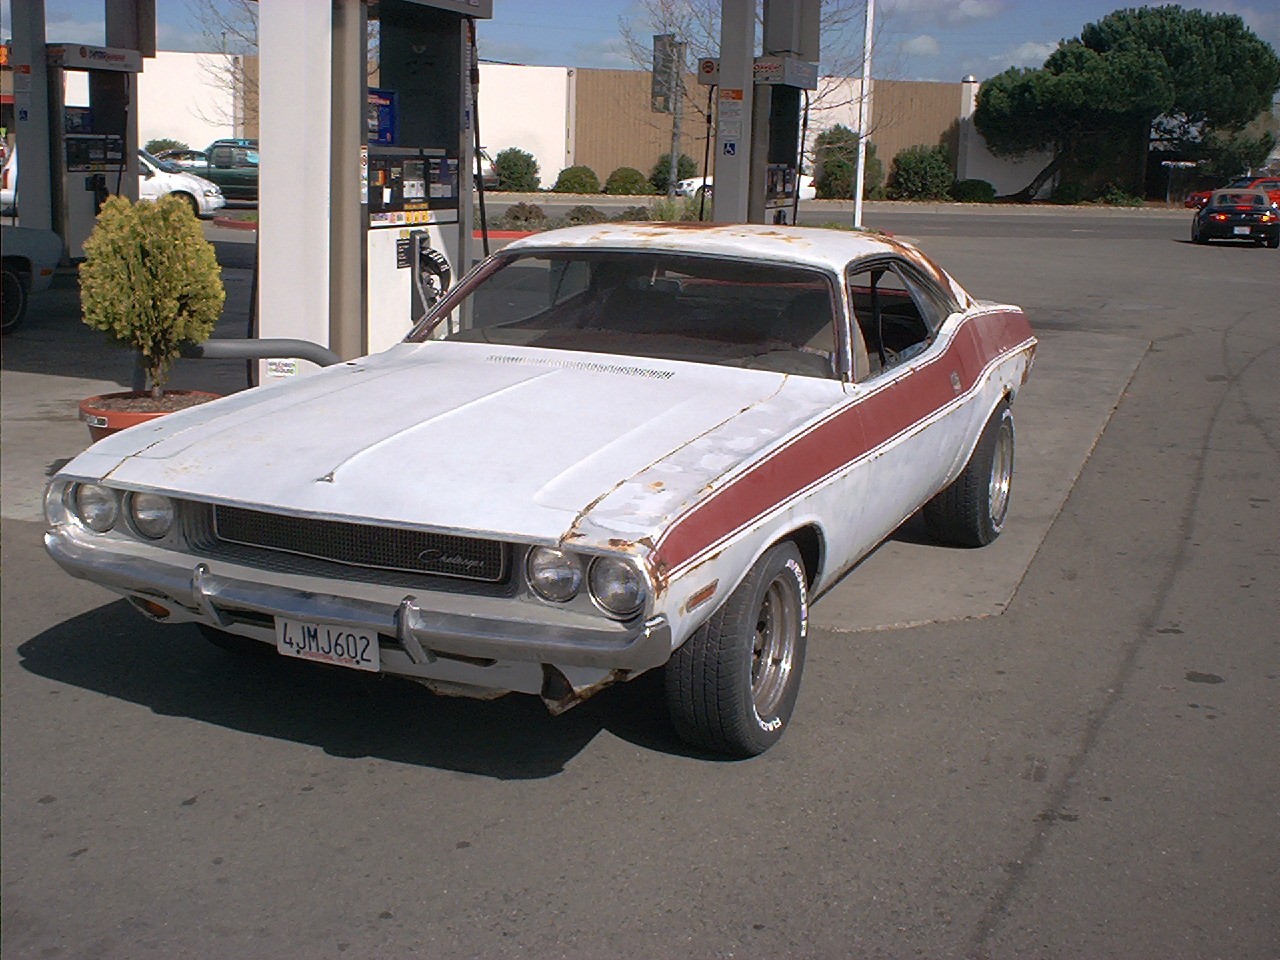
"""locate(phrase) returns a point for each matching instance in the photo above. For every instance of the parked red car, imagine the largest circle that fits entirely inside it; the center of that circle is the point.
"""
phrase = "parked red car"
(1270, 184)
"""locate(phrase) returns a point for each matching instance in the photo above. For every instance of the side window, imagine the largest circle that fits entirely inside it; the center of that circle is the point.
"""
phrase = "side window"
(896, 312)
(220, 156)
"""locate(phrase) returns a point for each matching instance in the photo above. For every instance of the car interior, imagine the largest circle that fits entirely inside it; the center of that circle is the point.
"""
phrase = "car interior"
(703, 309)
(897, 315)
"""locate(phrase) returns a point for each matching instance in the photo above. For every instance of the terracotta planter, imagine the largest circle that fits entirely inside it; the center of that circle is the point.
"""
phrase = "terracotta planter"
(112, 412)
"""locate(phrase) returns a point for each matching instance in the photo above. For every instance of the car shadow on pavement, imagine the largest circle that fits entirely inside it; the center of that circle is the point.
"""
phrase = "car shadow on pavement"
(173, 671)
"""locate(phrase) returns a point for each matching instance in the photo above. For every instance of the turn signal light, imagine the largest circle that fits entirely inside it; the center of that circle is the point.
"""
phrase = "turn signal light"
(149, 607)
(1217, 216)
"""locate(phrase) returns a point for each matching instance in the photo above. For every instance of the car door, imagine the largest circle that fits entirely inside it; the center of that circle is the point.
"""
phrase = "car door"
(906, 384)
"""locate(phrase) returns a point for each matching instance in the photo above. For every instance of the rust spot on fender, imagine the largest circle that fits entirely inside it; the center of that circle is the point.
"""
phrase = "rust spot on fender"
(657, 485)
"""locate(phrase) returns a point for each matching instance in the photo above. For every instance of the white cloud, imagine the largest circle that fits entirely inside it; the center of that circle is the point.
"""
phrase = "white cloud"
(946, 10)
(922, 46)
(1029, 54)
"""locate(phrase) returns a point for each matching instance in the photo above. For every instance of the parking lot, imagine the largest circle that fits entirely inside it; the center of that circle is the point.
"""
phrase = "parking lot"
(1063, 745)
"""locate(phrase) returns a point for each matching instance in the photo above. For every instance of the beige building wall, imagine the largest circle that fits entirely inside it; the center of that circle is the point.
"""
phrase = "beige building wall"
(905, 113)
(615, 127)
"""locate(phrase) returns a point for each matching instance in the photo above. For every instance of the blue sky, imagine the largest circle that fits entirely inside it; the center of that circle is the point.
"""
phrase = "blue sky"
(918, 40)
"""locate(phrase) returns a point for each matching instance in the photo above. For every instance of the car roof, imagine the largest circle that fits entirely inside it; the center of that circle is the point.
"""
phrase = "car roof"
(801, 246)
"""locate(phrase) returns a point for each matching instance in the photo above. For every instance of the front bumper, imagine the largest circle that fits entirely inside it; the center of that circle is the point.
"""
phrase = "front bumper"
(246, 601)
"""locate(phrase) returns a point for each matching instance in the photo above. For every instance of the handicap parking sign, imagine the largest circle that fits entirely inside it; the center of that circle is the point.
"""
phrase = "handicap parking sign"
(730, 149)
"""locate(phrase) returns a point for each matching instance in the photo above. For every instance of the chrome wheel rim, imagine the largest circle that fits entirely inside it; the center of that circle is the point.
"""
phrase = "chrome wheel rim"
(777, 633)
(1001, 474)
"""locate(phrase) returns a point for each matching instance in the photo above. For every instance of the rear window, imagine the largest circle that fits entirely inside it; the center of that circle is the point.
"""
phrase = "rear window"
(1239, 200)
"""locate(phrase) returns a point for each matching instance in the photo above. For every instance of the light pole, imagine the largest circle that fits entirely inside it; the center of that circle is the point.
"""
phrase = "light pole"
(864, 115)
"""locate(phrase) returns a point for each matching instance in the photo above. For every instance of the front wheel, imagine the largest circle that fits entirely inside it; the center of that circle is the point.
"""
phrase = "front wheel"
(732, 686)
(971, 512)
(14, 299)
(193, 203)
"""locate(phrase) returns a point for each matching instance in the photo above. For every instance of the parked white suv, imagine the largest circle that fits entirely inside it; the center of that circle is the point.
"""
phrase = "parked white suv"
(157, 177)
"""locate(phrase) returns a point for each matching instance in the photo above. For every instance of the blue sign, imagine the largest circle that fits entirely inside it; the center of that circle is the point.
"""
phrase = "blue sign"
(382, 117)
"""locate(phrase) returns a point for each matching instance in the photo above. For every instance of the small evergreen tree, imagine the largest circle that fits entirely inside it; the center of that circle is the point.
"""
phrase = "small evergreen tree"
(577, 179)
(921, 173)
(151, 281)
(836, 160)
(517, 170)
(627, 182)
(660, 175)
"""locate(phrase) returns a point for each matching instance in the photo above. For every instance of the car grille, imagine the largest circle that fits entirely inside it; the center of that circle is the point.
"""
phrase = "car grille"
(364, 545)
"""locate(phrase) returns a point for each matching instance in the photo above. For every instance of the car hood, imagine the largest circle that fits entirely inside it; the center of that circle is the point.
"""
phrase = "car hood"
(503, 441)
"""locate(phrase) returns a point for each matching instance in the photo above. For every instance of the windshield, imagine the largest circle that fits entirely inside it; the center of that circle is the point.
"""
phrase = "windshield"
(666, 306)
(168, 166)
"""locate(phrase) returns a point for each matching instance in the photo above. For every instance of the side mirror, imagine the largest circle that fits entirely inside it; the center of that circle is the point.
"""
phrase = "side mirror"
(148, 173)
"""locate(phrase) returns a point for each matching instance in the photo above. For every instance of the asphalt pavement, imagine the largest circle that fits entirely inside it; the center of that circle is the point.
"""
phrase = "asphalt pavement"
(1070, 753)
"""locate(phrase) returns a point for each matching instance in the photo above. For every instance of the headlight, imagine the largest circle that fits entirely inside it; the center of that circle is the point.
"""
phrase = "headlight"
(554, 574)
(151, 513)
(617, 586)
(212, 192)
(96, 506)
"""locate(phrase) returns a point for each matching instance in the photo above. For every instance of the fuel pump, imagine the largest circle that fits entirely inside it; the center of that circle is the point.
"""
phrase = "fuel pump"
(419, 184)
(90, 158)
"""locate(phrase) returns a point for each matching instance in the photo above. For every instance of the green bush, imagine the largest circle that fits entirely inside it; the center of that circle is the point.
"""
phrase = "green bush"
(631, 214)
(164, 143)
(628, 182)
(836, 162)
(523, 216)
(577, 179)
(151, 281)
(973, 191)
(660, 175)
(677, 209)
(517, 170)
(921, 173)
(584, 214)
(1067, 191)
(1115, 196)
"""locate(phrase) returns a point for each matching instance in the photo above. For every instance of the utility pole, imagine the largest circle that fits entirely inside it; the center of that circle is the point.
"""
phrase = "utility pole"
(677, 98)
(864, 115)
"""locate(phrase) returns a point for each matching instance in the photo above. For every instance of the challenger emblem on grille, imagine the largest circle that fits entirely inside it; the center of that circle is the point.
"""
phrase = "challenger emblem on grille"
(364, 545)
(438, 558)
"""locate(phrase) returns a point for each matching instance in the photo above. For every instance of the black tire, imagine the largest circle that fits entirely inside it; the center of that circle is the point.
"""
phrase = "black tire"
(14, 298)
(972, 511)
(232, 642)
(731, 687)
(1274, 242)
(192, 202)
(1195, 233)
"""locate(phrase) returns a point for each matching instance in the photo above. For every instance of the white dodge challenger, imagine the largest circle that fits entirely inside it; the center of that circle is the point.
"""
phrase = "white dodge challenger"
(609, 449)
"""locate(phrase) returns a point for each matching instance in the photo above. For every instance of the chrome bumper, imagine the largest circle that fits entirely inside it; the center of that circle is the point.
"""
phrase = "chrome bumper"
(422, 630)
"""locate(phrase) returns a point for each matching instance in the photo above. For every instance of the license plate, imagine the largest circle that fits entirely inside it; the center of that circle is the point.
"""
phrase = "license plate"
(328, 643)
(1242, 231)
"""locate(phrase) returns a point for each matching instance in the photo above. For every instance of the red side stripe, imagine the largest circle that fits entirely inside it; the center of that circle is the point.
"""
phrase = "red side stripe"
(851, 433)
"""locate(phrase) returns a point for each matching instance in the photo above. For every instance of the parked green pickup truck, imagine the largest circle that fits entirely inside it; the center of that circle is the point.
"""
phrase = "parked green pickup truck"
(231, 164)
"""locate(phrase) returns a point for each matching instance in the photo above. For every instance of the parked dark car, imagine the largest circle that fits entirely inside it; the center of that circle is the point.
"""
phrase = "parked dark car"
(1238, 215)
(232, 164)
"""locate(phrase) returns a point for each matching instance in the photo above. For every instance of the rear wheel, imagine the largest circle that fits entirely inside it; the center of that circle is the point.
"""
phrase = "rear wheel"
(972, 511)
(1274, 242)
(732, 686)
(1195, 232)
(14, 298)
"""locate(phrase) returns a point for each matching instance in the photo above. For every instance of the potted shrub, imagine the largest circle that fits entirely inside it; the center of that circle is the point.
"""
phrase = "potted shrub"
(150, 281)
